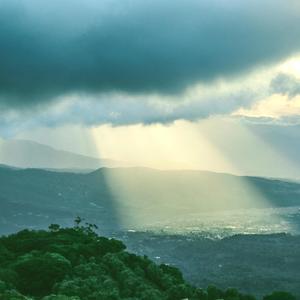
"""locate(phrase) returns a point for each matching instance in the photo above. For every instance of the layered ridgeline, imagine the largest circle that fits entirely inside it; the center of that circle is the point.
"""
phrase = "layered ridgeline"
(76, 263)
(126, 198)
(29, 154)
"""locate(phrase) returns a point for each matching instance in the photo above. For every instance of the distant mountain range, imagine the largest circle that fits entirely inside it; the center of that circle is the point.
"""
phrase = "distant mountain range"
(120, 198)
(28, 154)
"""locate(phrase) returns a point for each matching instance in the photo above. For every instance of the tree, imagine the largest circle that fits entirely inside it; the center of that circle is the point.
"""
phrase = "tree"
(279, 296)
(231, 294)
(214, 293)
(60, 297)
(37, 273)
(78, 221)
(54, 227)
(77, 264)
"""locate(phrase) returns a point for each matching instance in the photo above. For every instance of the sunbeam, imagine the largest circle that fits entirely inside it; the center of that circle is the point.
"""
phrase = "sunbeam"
(145, 197)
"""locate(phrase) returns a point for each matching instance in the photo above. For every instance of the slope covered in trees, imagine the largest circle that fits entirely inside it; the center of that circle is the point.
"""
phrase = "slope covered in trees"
(77, 264)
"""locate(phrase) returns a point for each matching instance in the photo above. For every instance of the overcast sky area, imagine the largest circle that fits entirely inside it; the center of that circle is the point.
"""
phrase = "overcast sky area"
(113, 78)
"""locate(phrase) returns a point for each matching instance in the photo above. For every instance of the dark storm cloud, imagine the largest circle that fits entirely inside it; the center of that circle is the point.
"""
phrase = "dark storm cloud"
(50, 48)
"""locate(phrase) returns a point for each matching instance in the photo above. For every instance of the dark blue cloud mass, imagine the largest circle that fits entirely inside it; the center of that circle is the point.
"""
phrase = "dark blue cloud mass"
(51, 48)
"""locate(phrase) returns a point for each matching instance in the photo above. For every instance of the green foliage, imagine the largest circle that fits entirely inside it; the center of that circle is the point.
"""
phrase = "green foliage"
(279, 296)
(60, 297)
(54, 227)
(77, 264)
(214, 293)
(7, 293)
(38, 272)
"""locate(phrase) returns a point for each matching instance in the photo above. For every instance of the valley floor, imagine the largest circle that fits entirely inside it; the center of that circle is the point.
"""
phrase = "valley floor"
(255, 264)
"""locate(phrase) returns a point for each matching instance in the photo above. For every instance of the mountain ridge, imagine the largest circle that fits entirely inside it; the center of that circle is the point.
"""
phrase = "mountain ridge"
(30, 154)
(131, 196)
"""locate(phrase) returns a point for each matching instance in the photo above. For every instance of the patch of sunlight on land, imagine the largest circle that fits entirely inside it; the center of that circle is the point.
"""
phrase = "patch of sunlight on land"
(144, 197)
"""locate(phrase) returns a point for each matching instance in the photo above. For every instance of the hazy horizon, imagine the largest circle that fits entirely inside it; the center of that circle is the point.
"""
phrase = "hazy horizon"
(186, 145)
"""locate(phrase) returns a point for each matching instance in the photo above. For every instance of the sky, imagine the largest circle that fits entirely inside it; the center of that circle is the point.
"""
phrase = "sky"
(203, 84)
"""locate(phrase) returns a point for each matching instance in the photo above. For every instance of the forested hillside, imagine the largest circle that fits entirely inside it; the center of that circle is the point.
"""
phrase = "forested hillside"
(76, 263)
(253, 263)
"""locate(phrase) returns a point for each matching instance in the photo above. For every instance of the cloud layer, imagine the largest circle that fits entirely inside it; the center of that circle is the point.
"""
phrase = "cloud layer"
(53, 48)
(286, 84)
